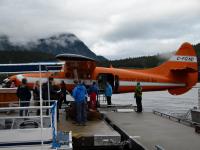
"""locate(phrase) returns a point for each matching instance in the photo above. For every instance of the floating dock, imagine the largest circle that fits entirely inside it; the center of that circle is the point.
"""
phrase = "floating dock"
(150, 131)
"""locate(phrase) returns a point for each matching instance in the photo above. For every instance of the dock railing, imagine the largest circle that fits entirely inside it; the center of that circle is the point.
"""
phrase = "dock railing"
(184, 120)
(19, 129)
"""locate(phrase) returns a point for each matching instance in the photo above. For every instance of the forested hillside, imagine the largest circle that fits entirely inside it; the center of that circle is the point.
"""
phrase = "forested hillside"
(144, 61)
(25, 57)
(138, 62)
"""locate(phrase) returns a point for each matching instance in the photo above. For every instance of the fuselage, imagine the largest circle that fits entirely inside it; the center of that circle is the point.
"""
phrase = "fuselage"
(122, 80)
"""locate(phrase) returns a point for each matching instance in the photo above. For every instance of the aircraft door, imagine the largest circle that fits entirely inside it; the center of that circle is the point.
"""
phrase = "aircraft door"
(103, 78)
(116, 84)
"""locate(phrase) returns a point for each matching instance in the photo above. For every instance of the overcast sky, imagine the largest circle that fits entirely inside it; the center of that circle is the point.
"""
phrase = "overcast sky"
(112, 28)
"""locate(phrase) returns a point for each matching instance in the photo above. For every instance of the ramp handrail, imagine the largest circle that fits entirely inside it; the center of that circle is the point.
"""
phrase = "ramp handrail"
(177, 119)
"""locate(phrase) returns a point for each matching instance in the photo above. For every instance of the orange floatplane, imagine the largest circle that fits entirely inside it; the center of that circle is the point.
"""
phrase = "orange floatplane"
(177, 75)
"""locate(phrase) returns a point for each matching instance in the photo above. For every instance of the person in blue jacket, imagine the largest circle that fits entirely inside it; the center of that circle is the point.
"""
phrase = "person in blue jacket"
(79, 93)
(108, 93)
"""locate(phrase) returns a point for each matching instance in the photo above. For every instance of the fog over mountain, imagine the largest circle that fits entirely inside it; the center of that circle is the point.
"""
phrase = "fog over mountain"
(55, 44)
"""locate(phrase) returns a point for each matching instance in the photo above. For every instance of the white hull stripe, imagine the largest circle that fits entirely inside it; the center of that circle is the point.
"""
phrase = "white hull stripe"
(89, 82)
(56, 80)
(134, 83)
(177, 58)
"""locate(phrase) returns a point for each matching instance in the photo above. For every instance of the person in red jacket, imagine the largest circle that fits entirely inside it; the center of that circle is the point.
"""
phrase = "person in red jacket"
(93, 91)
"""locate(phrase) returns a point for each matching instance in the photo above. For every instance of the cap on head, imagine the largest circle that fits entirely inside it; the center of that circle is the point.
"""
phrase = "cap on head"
(24, 81)
(75, 81)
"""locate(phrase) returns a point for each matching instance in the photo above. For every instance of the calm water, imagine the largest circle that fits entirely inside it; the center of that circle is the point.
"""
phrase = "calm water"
(161, 100)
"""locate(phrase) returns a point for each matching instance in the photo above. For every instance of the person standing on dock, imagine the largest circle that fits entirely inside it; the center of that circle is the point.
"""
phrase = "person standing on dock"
(79, 93)
(93, 92)
(63, 93)
(138, 97)
(108, 93)
(36, 96)
(24, 95)
(49, 93)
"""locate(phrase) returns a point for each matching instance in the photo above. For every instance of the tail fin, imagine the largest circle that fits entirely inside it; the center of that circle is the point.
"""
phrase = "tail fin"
(184, 59)
(181, 68)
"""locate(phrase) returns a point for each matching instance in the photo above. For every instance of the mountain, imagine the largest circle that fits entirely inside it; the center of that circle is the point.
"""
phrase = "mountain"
(56, 44)
(101, 58)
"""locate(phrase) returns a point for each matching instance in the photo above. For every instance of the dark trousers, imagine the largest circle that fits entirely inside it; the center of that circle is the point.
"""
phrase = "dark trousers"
(47, 103)
(108, 98)
(81, 114)
(38, 110)
(37, 103)
(61, 100)
(23, 104)
(139, 103)
(58, 118)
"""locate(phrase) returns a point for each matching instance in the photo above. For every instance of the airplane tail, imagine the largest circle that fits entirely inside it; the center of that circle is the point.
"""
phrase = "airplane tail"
(182, 68)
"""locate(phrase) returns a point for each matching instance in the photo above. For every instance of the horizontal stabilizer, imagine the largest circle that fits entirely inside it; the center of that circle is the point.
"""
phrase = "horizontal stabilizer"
(186, 69)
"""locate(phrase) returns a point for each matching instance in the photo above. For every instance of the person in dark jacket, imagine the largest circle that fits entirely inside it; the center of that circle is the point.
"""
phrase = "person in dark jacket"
(63, 92)
(138, 97)
(24, 95)
(49, 94)
(52, 91)
(36, 96)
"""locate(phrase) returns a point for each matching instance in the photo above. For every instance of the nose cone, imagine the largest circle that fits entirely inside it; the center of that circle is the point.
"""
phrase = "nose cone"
(14, 79)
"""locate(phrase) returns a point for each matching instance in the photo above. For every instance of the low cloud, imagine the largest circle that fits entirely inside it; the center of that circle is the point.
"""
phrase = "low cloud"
(114, 29)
